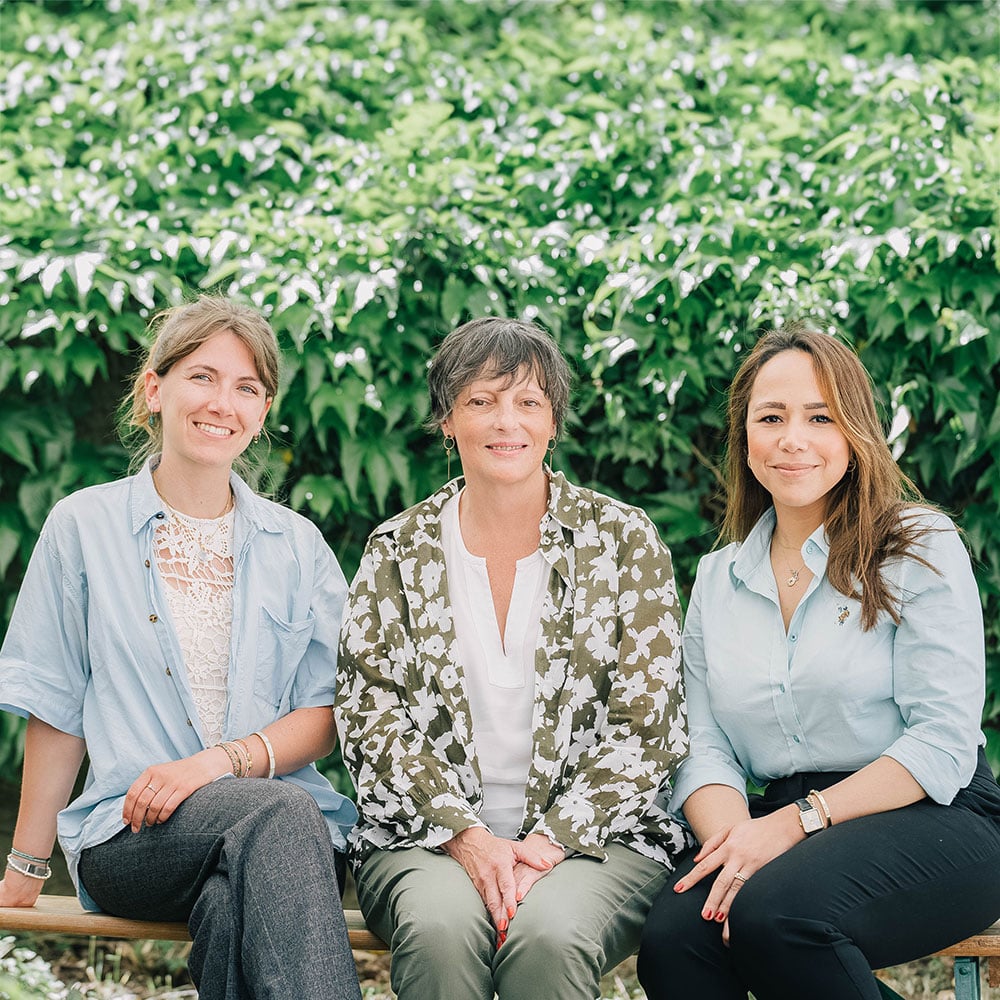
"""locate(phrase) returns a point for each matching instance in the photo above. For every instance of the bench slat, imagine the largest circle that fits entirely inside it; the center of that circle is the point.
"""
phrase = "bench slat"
(65, 915)
(986, 943)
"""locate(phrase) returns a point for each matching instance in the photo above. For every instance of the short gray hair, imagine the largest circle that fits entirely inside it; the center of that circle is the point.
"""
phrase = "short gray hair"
(492, 348)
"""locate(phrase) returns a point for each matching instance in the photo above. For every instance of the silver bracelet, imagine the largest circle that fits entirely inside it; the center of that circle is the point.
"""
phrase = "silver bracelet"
(28, 868)
(270, 752)
(29, 857)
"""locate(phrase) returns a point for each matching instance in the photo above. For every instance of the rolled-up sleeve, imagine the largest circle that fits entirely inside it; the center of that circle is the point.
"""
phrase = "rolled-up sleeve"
(44, 662)
(939, 673)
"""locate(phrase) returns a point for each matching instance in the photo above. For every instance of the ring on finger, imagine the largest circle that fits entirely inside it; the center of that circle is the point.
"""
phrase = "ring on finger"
(154, 790)
(740, 877)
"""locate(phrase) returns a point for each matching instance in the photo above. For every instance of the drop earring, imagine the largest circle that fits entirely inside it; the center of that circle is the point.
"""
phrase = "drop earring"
(449, 447)
(552, 449)
(152, 420)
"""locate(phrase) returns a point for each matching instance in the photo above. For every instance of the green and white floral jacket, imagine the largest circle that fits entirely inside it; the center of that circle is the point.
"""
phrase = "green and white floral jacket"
(609, 716)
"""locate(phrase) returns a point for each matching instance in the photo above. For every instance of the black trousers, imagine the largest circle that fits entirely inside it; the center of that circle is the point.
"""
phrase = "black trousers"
(870, 893)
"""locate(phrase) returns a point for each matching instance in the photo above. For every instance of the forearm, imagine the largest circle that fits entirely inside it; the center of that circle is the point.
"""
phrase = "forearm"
(712, 808)
(878, 787)
(51, 763)
(296, 739)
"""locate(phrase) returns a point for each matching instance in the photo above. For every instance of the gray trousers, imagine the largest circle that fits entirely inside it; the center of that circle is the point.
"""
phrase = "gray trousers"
(250, 866)
(575, 924)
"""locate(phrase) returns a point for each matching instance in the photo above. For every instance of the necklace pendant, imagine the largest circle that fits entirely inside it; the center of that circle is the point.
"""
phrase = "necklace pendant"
(793, 579)
(204, 555)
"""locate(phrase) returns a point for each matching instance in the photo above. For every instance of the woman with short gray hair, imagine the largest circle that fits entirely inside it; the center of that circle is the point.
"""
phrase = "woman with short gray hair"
(509, 700)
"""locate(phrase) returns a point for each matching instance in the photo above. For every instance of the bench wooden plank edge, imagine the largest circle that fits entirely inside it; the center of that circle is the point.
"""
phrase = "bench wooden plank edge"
(64, 915)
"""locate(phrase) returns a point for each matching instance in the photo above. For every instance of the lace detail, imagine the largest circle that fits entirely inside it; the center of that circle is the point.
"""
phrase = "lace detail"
(195, 559)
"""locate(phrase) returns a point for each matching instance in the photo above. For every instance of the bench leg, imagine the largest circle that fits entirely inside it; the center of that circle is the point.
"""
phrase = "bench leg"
(967, 979)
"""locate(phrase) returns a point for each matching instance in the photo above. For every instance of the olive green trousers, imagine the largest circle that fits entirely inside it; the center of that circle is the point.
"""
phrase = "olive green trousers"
(575, 924)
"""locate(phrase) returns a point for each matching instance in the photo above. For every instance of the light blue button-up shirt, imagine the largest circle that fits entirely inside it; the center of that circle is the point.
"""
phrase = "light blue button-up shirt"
(91, 649)
(827, 696)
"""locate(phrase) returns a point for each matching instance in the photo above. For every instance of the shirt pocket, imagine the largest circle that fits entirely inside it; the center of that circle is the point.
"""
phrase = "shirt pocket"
(280, 648)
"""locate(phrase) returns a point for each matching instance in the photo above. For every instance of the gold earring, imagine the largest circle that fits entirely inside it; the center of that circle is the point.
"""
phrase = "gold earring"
(552, 449)
(449, 447)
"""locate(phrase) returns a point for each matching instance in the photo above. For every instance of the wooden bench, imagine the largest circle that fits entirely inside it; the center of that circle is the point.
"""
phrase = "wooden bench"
(64, 915)
(972, 956)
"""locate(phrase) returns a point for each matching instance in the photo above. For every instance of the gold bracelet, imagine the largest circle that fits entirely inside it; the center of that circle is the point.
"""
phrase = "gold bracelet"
(245, 747)
(823, 805)
(234, 759)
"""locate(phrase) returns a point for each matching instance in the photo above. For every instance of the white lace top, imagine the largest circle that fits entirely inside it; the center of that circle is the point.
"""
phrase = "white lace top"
(195, 559)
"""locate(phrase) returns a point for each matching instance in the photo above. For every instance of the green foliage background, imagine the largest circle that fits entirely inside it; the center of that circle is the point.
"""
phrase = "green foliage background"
(649, 180)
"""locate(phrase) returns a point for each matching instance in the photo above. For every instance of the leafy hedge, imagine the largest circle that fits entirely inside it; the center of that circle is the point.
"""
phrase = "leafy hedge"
(651, 181)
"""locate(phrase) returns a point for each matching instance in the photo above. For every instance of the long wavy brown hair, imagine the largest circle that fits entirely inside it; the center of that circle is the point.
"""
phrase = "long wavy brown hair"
(865, 521)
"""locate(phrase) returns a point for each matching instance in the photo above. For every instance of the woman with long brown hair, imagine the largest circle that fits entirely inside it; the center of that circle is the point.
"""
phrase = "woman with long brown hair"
(833, 655)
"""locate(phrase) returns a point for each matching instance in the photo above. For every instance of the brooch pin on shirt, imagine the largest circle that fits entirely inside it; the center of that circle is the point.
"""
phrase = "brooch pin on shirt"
(845, 613)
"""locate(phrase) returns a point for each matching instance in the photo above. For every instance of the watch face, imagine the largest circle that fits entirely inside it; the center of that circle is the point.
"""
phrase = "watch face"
(809, 817)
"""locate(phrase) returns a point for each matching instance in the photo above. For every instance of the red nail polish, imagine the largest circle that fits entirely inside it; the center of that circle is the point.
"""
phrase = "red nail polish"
(511, 910)
(720, 917)
(707, 914)
(679, 887)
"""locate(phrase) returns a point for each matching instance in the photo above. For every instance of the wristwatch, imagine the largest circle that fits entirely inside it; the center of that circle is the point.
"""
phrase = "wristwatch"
(810, 818)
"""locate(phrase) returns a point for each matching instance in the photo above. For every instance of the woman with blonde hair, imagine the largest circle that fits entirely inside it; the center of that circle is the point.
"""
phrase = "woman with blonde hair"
(833, 652)
(182, 631)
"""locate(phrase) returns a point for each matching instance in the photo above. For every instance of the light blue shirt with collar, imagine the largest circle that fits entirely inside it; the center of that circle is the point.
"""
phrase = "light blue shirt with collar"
(91, 651)
(827, 696)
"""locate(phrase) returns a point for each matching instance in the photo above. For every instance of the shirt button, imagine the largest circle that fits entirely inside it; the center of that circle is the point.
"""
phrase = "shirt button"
(810, 547)
(190, 723)
(793, 637)
(781, 688)
(169, 674)
(795, 738)
(147, 564)
(160, 516)
(153, 618)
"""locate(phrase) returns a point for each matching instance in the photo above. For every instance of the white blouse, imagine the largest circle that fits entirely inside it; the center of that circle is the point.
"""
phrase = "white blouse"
(195, 559)
(499, 674)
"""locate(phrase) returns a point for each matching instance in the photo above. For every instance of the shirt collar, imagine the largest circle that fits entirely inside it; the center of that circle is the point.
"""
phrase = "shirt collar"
(145, 503)
(752, 555)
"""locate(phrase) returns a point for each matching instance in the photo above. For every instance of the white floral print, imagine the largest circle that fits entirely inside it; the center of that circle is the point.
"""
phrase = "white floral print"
(609, 716)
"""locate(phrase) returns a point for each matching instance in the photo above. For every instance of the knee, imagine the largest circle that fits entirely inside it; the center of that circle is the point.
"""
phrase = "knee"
(432, 953)
(664, 937)
(759, 919)
(555, 957)
(287, 807)
(437, 935)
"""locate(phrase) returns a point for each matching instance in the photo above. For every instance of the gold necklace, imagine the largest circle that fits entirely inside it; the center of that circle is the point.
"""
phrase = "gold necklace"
(793, 574)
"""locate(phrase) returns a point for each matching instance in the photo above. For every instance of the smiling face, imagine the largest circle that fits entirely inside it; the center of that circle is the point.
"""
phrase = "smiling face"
(212, 402)
(501, 428)
(796, 450)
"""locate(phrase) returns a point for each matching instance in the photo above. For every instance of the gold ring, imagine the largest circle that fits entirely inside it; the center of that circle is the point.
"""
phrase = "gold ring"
(739, 877)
